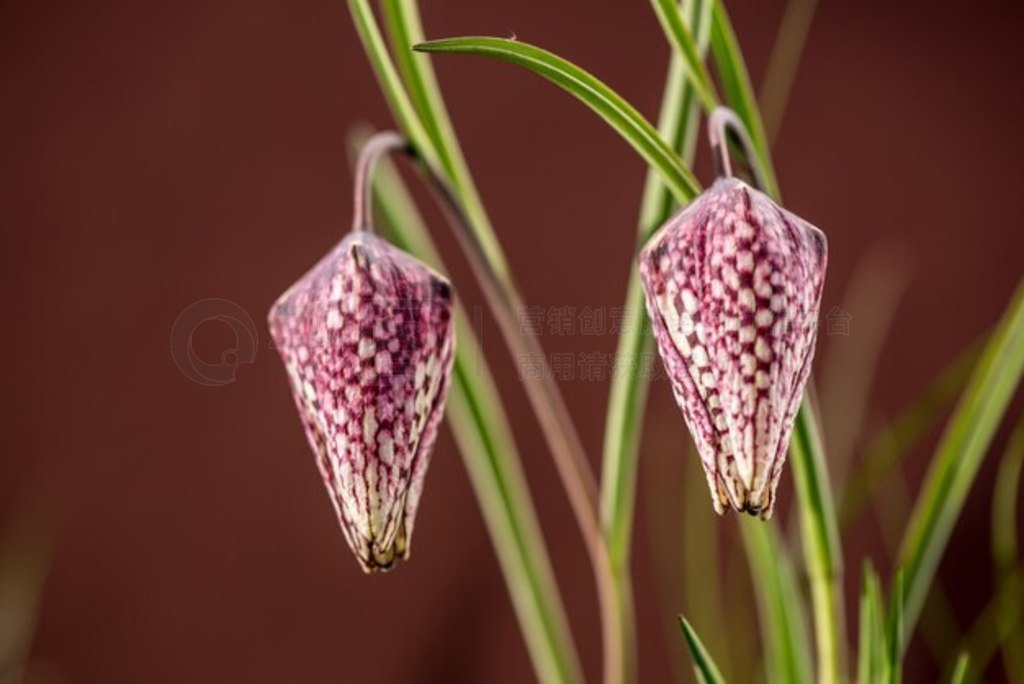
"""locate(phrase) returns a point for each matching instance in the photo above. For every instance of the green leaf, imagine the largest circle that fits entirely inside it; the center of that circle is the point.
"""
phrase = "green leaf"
(820, 536)
(703, 665)
(739, 93)
(783, 62)
(780, 604)
(871, 641)
(959, 455)
(1005, 501)
(621, 115)
(887, 450)
(960, 671)
(481, 429)
(894, 647)
(672, 21)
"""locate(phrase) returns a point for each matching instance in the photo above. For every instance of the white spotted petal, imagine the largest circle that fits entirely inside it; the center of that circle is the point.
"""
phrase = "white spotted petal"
(367, 340)
(733, 286)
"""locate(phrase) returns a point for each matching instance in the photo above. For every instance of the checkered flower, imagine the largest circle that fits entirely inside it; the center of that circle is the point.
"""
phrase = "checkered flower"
(733, 286)
(367, 340)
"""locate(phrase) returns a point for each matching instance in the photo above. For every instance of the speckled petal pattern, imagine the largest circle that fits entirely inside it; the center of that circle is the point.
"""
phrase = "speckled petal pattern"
(367, 340)
(733, 286)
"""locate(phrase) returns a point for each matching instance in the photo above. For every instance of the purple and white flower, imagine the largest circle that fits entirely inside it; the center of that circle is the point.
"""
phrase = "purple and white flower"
(367, 339)
(733, 286)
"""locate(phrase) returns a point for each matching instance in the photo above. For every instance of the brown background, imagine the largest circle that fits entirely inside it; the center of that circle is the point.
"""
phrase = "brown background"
(158, 153)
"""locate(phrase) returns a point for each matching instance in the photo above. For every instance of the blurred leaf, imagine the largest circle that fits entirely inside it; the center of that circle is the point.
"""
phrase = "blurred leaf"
(872, 641)
(25, 555)
(959, 455)
(894, 650)
(847, 373)
(887, 450)
(960, 672)
(1005, 558)
(783, 62)
(783, 630)
(618, 113)
(703, 665)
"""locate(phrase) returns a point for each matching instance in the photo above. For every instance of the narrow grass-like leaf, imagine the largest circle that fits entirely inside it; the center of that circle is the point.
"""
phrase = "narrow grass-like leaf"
(780, 604)
(783, 62)
(960, 671)
(739, 93)
(1005, 502)
(676, 30)
(894, 632)
(959, 455)
(879, 659)
(820, 536)
(848, 372)
(703, 665)
(478, 421)
(603, 100)
(886, 451)
(871, 640)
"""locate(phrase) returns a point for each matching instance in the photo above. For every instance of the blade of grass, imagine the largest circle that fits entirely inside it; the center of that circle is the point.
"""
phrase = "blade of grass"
(959, 455)
(673, 22)
(610, 106)
(478, 421)
(1005, 553)
(995, 625)
(783, 62)
(779, 603)
(848, 372)
(703, 665)
(886, 451)
(960, 671)
(820, 536)
(894, 647)
(871, 641)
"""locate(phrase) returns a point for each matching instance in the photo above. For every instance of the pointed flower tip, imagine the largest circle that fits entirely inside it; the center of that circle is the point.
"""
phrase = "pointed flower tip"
(733, 286)
(367, 339)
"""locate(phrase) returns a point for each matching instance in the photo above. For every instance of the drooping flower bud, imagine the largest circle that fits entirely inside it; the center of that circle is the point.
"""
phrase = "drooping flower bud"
(367, 339)
(733, 286)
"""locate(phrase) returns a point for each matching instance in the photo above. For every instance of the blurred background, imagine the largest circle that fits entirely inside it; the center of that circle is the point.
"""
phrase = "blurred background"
(157, 154)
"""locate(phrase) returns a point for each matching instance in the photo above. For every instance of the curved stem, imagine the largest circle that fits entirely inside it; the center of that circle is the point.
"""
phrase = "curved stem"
(720, 123)
(362, 202)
